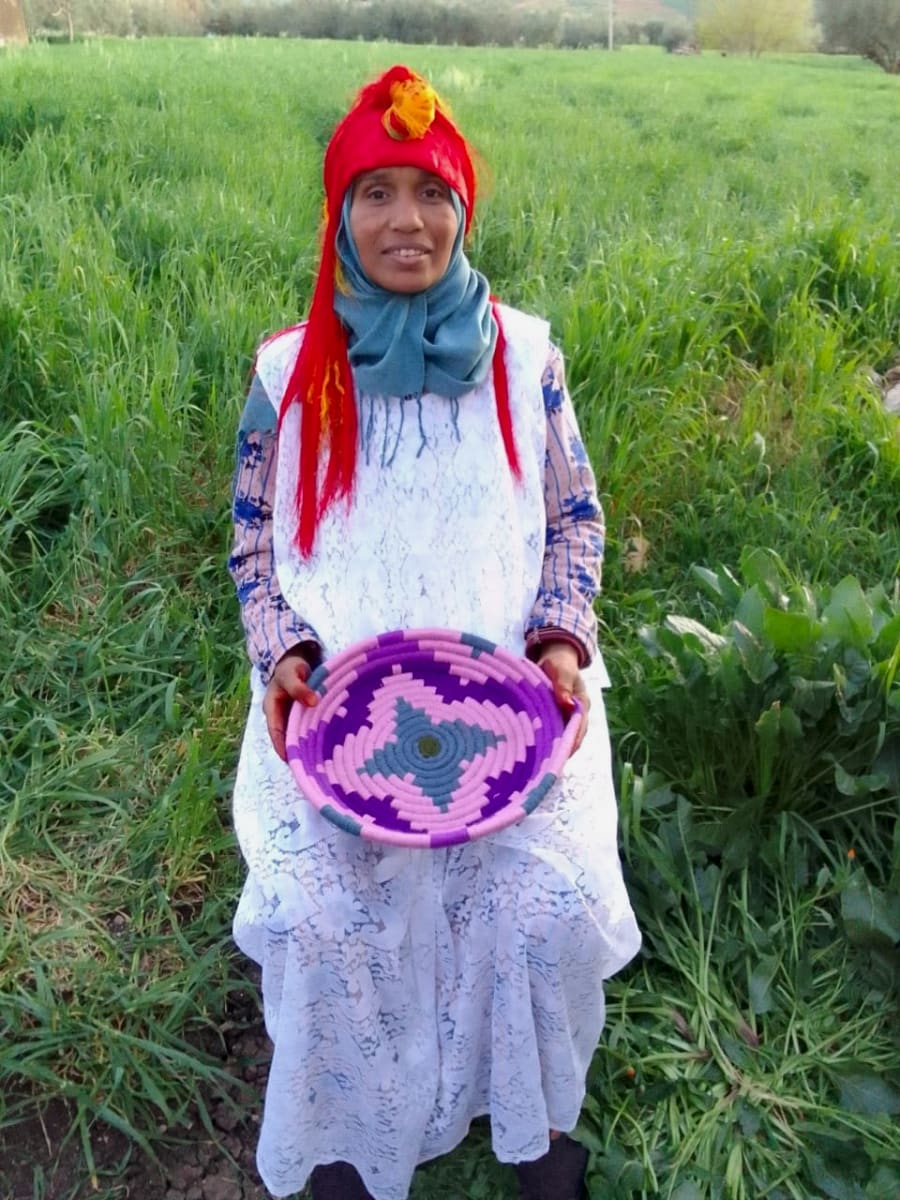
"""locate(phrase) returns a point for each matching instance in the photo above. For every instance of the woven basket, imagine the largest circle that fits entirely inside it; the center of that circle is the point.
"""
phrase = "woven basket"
(427, 738)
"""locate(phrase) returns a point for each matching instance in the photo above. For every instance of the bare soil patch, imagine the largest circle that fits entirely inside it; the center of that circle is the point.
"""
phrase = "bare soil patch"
(41, 1157)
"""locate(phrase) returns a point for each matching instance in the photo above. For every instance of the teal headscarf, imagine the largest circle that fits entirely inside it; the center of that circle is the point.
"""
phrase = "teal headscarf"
(440, 340)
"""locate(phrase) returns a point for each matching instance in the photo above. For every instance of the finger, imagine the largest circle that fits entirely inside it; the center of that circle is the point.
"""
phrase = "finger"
(305, 695)
(579, 736)
(562, 685)
(292, 677)
(584, 701)
(562, 690)
(289, 681)
(276, 710)
(550, 669)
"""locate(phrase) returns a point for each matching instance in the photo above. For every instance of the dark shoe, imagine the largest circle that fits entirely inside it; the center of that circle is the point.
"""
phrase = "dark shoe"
(558, 1175)
(337, 1181)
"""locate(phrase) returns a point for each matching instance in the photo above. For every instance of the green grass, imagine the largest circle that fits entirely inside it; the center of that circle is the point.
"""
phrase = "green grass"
(715, 243)
(749, 1053)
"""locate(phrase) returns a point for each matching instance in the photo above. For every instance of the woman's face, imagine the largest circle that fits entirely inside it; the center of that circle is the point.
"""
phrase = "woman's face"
(404, 226)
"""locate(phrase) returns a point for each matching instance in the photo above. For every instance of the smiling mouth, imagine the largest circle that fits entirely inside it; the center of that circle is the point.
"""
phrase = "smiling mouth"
(407, 252)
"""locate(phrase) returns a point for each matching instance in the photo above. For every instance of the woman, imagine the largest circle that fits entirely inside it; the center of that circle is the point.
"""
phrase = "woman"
(409, 457)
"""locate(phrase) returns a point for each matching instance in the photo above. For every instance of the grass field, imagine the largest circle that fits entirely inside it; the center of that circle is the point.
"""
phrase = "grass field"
(715, 242)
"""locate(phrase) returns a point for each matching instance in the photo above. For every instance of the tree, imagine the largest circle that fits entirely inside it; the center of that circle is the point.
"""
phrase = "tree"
(12, 22)
(867, 27)
(754, 26)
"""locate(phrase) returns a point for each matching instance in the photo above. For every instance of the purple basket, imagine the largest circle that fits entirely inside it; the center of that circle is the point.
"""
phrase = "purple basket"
(427, 737)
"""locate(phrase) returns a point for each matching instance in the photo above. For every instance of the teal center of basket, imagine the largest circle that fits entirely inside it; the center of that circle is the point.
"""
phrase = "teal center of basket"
(435, 753)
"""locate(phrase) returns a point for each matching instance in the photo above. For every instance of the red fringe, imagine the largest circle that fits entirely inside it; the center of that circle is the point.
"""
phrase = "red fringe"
(322, 384)
(501, 394)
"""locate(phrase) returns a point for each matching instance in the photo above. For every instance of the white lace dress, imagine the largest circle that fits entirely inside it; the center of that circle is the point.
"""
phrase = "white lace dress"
(408, 991)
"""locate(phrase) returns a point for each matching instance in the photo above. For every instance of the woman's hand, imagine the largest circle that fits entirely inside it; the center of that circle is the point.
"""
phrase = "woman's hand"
(288, 683)
(559, 662)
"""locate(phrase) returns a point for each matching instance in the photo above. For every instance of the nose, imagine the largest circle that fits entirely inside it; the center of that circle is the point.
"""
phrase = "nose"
(406, 216)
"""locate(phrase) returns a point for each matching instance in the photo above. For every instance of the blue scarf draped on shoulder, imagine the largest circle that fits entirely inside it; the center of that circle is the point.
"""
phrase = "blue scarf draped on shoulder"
(440, 340)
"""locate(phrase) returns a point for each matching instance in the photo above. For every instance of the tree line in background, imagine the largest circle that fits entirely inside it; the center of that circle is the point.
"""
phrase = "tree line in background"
(867, 27)
(445, 22)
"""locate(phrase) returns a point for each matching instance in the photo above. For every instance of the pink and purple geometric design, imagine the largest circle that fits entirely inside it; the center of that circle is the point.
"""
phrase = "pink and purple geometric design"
(427, 737)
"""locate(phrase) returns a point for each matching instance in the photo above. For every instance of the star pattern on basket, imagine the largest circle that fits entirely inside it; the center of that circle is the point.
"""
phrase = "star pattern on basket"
(433, 753)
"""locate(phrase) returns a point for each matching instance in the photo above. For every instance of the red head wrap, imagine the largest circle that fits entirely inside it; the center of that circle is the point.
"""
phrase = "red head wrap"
(397, 121)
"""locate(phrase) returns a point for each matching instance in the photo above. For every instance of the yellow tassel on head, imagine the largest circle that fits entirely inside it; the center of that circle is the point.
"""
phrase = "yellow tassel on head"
(413, 107)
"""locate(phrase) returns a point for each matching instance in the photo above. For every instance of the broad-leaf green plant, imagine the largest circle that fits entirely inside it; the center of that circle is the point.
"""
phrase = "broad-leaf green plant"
(787, 700)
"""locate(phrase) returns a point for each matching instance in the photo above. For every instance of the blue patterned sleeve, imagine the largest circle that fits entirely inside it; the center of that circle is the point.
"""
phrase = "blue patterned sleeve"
(271, 626)
(573, 555)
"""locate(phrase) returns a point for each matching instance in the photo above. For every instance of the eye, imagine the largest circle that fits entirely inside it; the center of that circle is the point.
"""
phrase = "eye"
(436, 191)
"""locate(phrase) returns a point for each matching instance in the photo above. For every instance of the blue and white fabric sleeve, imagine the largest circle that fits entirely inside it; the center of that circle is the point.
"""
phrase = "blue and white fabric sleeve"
(573, 556)
(271, 627)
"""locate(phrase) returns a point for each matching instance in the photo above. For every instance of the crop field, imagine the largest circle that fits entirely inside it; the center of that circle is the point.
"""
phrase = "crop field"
(716, 244)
